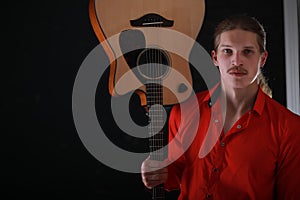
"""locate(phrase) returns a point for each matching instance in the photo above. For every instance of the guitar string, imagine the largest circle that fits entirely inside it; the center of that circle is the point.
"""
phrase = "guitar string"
(160, 108)
(154, 70)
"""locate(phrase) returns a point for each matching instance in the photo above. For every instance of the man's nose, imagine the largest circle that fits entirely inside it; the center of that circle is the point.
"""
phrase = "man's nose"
(237, 59)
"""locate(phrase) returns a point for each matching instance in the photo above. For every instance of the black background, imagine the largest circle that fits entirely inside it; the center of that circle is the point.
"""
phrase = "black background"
(43, 156)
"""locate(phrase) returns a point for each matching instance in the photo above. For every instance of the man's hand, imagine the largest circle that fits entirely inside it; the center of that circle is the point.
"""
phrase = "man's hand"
(153, 172)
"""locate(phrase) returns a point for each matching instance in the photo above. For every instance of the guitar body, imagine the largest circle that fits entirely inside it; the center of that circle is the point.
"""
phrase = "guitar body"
(140, 22)
(148, 53)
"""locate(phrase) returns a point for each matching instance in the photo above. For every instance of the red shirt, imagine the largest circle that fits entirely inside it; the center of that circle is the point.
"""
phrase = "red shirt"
(258, 158)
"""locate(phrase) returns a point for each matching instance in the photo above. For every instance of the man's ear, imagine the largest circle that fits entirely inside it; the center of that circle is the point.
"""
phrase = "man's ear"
(263, 58)
(214, 57)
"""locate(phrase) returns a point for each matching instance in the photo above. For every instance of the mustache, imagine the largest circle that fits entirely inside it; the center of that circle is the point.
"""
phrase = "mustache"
(237, 69)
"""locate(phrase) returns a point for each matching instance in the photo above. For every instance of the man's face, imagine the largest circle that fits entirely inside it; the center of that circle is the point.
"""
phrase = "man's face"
(238, 58)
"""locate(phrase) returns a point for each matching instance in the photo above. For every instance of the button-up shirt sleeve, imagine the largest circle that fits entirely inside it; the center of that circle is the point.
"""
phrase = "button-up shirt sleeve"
(176, 168)
(288, 167)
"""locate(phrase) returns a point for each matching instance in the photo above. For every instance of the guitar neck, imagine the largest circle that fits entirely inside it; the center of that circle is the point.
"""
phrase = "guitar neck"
(156, 120)
(158, 192)
(156, 139)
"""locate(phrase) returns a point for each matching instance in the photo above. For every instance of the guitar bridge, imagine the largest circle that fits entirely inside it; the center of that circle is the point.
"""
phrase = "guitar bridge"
(151, 20)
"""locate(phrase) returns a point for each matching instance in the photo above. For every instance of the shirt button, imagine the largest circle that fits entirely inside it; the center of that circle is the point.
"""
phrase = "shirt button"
(208, 196)
(222, 144)
(239, 126)
(215, 169)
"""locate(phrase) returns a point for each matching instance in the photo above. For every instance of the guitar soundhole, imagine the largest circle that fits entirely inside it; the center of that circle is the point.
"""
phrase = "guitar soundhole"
(153, 63)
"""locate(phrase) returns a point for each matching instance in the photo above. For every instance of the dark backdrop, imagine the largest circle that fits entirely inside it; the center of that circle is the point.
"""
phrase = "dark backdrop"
(43, 155)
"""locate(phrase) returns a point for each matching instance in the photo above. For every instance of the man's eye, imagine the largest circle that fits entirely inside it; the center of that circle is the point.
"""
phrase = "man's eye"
(227, 51)
(247, 51)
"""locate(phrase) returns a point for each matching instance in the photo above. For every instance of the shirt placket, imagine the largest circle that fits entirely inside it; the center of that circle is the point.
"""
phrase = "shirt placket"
(220, 148)
(218, 154)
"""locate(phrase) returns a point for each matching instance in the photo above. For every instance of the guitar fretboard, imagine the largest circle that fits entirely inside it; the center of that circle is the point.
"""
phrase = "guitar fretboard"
(156, 119)
(156, 139)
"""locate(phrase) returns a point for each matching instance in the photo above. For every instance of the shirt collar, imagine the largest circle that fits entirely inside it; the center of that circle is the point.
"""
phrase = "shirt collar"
(213, 95)
(260, 101)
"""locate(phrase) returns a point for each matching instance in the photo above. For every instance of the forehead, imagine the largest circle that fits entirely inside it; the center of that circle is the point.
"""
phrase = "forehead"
(238, 37)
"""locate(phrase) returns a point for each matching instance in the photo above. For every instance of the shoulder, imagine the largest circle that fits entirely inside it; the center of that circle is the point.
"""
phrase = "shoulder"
(192, 103)
(275, 107)
(190, 109)
(286, 119)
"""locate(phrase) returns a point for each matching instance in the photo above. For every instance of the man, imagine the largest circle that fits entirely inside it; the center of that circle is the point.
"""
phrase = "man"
(251, 150)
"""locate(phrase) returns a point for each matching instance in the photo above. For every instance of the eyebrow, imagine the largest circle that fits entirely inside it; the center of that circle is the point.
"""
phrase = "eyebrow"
(246, 47)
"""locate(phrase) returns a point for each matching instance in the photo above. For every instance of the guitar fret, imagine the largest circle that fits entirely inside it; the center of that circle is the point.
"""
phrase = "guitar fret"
(154, 134)
(154, 89)
(157, 155)
(156, 85)
(154, 98)
(153, 102)
(155, 111)
(158, 152)
(156, 120)
(155, 129)
(154, 93)
(151, 132)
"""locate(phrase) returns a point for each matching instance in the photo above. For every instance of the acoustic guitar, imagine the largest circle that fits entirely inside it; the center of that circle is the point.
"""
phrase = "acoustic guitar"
(130, 32)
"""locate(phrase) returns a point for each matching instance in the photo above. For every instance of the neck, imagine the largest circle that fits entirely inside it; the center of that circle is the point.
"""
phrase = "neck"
(239, 100)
